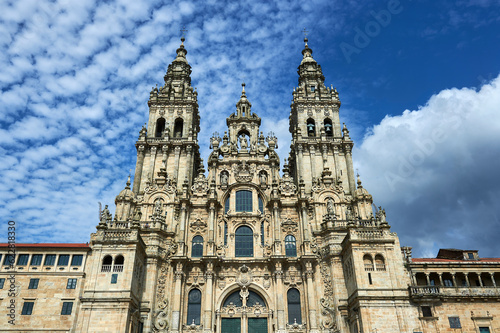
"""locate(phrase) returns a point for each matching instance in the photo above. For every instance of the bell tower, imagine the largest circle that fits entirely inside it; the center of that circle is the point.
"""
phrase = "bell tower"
(169, 142)
(321, 148)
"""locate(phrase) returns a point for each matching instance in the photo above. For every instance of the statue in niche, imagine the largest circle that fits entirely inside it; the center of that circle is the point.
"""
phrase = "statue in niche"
(263, 178)
(243, 142)
(330, 209)
(224, 178)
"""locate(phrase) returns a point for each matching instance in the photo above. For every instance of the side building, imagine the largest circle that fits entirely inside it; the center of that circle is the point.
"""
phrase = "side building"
(241, 245)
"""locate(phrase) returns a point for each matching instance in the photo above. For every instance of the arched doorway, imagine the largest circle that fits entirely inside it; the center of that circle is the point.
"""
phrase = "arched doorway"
(244, 311)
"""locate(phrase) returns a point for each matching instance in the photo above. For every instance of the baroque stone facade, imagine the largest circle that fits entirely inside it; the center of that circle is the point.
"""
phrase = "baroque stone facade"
(246, 247)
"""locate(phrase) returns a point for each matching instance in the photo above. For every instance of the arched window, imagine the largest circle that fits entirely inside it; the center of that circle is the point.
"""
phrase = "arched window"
(107, 262)
(118, 265)
(379, 263)
(226, 206)
(328, 127)
(368, 261)
(261, 205)
(178, 126)
(311, 127)
(160, 127)
(194, 307)
(225, 233)
(290, 246)
(235, 299)
(262, 233)
(197, 248)
(294, 314)
(244, 201)
(244, 242)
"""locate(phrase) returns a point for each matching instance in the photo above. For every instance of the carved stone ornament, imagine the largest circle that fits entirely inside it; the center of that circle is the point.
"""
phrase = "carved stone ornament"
(243, 172)
(287, 187)
(200, 186)
(245, 276)
(198, 226)
(160, 323)
(328, 320)
(288, 226)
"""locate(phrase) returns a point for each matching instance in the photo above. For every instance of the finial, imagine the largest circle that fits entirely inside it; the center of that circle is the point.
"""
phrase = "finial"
(128, 181)
(183, 37)
(243, 89)
(305, 35)
(359, 181)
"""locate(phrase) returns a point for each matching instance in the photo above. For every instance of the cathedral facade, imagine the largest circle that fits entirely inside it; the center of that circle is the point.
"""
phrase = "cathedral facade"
(244, 246)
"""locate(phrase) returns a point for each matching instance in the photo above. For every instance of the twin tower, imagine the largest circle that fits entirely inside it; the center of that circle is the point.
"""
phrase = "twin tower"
(244, 246)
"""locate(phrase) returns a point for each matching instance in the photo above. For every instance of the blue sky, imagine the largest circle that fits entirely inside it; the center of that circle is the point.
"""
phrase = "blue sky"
(418, 80)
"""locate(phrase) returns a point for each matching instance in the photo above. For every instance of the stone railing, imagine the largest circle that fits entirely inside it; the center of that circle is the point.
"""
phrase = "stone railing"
(117, 235)
(369, 234)
(419, 291)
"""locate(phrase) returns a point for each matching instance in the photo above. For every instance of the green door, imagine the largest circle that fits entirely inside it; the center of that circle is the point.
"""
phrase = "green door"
(231, 325)
(257, 325)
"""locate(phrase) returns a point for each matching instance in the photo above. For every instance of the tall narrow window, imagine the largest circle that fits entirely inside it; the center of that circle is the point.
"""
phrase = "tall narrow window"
(261, 205)
(244, 242)
(27, 308)
(33, 284)
(71, 284)
(194, 307)
(328, 127)
(197, 248)
(226, 206)
(225, 233)
(294, 313)
(290, 246)
(160, 127)
(244, 201)
(262, 233)
(9, 259)
(311, 130)
(179, 124)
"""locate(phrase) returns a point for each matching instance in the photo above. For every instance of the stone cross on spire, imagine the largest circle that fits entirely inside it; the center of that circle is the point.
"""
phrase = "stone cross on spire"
(183, 32)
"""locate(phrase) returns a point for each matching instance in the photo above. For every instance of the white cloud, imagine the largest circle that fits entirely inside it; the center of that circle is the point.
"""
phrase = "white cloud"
(434, 169)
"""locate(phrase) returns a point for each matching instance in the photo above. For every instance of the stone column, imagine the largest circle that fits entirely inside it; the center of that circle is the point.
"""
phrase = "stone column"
(480, 279)
(280, 298)
(312, 156)
(211, 224)
(277, 240)
(311, 297)
(305, 227)
(189, 164)
(138, 169)
(441, 279)
(350, 170)
(467, 279)
(209, 277)
(492, 275)
(300, 159)
(177, 299)
(183, 230)
(454, 280)
(427, 278)
(177, 153)
(151, 168)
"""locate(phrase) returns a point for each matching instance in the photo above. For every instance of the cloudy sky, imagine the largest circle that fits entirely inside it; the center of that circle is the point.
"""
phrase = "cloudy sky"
(418, 80)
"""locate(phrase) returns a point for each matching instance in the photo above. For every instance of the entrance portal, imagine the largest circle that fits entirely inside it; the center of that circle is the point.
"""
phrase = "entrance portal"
(244, 311)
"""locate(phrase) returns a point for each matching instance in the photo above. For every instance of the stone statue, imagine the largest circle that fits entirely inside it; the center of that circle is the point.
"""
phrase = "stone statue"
(263, 178)
(224, 178)
(329, 207)
(106, 215)
(243, 142)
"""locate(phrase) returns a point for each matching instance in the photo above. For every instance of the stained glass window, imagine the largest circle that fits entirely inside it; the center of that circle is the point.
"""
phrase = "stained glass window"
(197, 249)
(244, 242)
(294, 314)
(194, 307)
(290, 246)
(244, 201)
